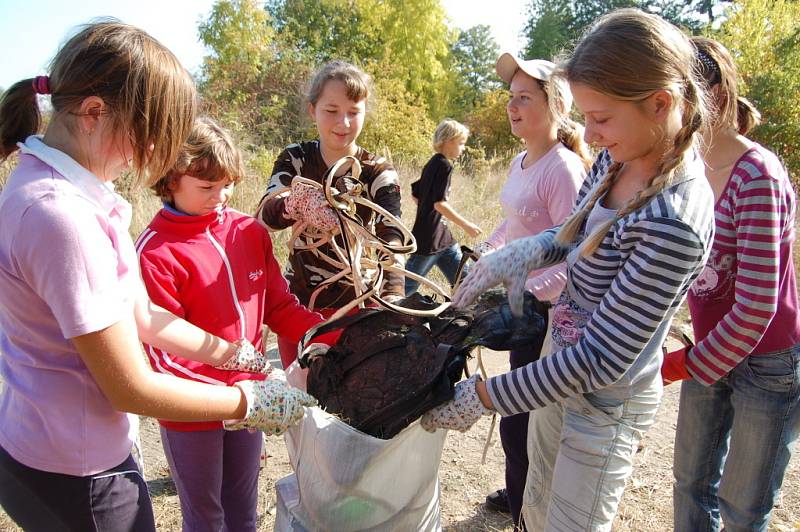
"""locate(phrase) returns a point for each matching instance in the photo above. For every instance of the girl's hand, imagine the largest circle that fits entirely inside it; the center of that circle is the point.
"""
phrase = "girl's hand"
(473, 230)
(272, 405)
(508, 265)
(308, 204)
(461, 412)
(247, 359)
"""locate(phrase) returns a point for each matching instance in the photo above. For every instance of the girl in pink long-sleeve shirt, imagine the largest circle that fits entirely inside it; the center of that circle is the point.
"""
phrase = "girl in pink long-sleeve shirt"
(542, 185)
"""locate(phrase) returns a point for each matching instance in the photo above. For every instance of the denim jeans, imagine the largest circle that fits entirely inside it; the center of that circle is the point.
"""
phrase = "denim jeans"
(733, 444)
(446, 260)
(580, 453)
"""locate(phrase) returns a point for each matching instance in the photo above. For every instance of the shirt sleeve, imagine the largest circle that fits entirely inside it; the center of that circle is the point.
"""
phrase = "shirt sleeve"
(440, 181)
(759, 215)
(283, 171)
(385, 191)
(283, 312)
(662, 257)
(67, 256)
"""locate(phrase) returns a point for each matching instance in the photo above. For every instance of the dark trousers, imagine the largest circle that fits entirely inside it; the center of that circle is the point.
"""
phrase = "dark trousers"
(514, 437)
(114, 500)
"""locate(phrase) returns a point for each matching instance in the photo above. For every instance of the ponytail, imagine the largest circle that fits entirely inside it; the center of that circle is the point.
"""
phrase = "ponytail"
(570, 135)
(20, 116)
(747, 116)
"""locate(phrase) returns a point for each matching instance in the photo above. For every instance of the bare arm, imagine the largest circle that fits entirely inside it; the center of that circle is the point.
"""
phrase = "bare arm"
(163, 329)
(113, 356)
(451, 214)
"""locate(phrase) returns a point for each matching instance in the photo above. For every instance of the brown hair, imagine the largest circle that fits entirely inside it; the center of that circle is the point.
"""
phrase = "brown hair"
(149, 94)
(209, 154)
(629, 55)
(358, 84)
(717, 68)
(569, 132)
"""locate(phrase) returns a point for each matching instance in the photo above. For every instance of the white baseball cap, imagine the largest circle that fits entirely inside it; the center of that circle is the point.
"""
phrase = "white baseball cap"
(507, 65)
(541, 69)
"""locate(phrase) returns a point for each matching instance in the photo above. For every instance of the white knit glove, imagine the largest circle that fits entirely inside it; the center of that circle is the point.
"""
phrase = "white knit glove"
(459, 413)
(272, 405)
(508, 265)
(308, 204)
(247, 359)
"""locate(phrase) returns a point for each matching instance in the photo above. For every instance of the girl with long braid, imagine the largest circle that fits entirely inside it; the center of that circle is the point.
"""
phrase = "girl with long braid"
(637, 238)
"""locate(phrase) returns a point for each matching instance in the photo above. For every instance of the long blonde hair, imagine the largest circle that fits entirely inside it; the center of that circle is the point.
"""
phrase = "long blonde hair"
(149, 94)
(629, 55)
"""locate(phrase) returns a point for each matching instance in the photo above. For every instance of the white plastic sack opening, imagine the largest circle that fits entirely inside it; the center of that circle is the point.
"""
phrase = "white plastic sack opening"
(347, 480)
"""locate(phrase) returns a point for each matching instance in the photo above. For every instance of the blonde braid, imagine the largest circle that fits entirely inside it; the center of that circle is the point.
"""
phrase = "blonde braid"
(692, 119)
(569, 230)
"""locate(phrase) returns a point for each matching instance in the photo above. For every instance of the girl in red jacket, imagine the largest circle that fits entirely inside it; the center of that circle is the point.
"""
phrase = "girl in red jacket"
(214, 267)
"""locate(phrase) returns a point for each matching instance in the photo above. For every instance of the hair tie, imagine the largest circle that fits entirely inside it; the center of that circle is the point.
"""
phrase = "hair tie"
(41, 85)
(708, 68)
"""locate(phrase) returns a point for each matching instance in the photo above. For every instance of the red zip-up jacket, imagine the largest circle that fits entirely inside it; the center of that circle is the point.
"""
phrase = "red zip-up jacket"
(218, 272)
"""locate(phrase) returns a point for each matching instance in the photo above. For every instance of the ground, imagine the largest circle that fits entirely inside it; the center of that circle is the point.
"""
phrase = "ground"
(646, 505)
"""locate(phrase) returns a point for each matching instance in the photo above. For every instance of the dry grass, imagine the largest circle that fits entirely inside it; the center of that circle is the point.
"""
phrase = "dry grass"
(647, 503)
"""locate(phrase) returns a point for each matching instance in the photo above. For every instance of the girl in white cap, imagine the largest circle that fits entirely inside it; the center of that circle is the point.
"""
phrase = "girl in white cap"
(637, 238)
(541, 188)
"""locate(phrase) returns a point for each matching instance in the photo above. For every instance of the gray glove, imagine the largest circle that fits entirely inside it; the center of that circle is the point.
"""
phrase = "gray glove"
(461, 412)
(247, 359)
(272, 405)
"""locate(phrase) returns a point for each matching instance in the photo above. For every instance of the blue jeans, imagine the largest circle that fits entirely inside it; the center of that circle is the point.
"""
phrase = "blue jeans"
(446, 260)
(733, 444)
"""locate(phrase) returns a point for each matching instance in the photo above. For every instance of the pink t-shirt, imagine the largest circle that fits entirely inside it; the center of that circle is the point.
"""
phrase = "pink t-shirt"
(537, 198)
(67, 268)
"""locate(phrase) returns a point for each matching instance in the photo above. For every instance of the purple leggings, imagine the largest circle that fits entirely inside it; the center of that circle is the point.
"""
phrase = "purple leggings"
(216, 475)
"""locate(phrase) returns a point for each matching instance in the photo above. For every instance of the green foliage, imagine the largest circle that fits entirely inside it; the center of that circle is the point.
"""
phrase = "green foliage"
(489, 125)
(474, 54)
(556, 25)
(250, 81)
(764, 38)
(398, 123)
(410, 35)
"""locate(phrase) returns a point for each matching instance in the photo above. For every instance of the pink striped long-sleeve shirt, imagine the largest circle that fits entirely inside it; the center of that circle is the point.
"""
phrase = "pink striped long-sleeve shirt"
(745, 300)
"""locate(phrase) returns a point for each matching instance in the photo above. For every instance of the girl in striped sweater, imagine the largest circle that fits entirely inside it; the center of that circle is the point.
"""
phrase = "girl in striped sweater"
(740, 403)
(637, 238)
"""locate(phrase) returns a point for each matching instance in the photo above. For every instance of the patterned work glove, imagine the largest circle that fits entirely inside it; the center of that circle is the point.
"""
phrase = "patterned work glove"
(673, 368)
(308, 204)
(460, 413)
(247, 359)
(484, 248)
(272, 405)
(509, 265)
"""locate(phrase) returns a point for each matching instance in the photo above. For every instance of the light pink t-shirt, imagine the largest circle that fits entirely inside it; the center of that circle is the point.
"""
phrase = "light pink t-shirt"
(67, 268)
(537, 198)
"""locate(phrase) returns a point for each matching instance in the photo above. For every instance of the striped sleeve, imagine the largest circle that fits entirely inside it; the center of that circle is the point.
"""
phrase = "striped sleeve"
(754, 228)
(662, 256)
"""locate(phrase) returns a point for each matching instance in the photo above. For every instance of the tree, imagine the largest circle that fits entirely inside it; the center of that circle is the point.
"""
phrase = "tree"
(556, 25)
(474, 54)
(409, 35)
(764, 38)
(248, 80)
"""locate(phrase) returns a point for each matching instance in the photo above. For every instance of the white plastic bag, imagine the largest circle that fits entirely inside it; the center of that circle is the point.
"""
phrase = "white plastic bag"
(347, 480)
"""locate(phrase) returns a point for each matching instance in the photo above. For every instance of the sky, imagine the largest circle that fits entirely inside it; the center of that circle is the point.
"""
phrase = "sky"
(32, 30)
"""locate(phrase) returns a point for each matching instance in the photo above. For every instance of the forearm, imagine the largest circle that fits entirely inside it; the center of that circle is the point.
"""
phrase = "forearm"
(160, 328)
(451, 214)
(114, 359)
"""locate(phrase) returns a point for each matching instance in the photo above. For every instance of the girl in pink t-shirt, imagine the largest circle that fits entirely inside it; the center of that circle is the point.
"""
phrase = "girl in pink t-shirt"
(740, 400)
(542, 185)
(72, 305)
